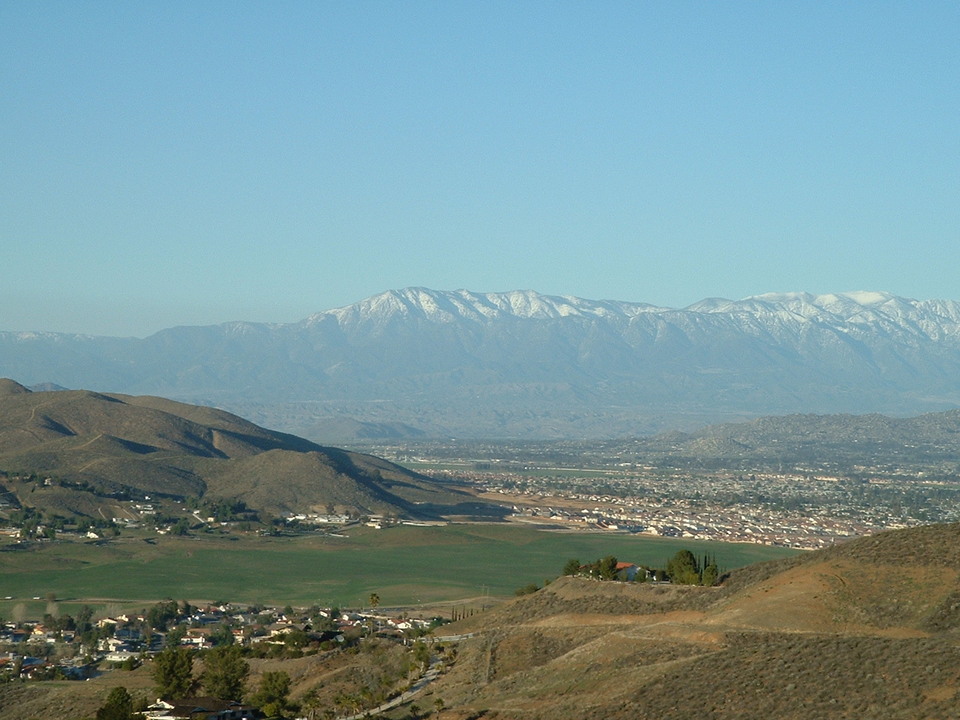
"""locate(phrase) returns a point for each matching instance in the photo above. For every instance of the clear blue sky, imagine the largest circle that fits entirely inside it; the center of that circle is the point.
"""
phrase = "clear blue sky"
(179, 163)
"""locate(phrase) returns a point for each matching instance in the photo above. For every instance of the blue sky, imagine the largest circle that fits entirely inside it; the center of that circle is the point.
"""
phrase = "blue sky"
(179, 163)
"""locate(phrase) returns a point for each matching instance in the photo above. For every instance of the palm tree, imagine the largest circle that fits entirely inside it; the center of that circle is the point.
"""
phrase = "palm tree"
(311, 703)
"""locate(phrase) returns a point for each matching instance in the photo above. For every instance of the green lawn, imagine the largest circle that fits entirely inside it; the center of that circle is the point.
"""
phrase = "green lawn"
(403, 565)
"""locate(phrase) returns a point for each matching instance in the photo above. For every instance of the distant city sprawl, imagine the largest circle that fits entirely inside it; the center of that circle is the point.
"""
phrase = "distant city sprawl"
(804, 506)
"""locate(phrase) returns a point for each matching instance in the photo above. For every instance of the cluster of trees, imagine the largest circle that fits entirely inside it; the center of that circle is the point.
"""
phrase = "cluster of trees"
(457, 612)
(527, 589)
(230, 511)
(166, 612)
(387, 669)
(684, 568)
(224, 676)
(78, 485)
(602, 569)
(34, 523)
(30, 520)
(79, 624)
(225, 672)
(221, 509)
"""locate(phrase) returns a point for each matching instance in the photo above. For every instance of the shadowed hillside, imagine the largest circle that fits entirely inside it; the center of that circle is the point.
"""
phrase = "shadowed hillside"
(97, 446)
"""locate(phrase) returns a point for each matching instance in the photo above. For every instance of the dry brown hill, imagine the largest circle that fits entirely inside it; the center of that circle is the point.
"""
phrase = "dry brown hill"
(868, 629)
(864, 630)
(107, 445)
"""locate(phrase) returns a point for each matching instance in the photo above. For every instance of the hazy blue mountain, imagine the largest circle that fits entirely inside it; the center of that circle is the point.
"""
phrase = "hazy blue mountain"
(522, 364)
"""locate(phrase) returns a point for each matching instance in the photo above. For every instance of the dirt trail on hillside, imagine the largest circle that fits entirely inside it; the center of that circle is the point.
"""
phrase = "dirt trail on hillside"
(821, 598)
(623, 620)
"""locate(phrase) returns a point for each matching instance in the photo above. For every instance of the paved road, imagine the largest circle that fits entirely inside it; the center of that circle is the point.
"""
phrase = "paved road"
(451, 638)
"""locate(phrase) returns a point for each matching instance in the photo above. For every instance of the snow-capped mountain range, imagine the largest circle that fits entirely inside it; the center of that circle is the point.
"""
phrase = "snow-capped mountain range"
(522, 364)
(451, 306)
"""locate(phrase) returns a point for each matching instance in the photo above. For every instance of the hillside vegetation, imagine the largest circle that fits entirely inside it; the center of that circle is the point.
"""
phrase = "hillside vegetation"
(868, 629)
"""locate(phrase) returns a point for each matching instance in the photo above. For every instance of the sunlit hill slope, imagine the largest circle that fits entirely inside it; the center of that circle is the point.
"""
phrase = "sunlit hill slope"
(866, 629)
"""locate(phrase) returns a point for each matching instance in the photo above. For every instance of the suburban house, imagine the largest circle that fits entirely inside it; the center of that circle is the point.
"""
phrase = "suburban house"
(201, 708)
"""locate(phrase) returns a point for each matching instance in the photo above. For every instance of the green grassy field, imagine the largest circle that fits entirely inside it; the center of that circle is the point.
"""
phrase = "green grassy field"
(403, 565)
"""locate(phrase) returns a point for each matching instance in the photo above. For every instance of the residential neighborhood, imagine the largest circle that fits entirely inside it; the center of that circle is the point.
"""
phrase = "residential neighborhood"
(800, 510)
(84, 647)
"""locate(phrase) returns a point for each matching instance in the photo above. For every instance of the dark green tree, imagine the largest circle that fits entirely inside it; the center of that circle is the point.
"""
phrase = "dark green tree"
(118, 706)
(607, 568)
(527, 589)
(295, 639)
(683, 568)
(710, 575)
(222, 635)
(181, 527)
(421, 655)
(162, 614)
(224, 672)
(572, 567)
(175, 635)
(173, 673)
(271, 697)
(84, 616)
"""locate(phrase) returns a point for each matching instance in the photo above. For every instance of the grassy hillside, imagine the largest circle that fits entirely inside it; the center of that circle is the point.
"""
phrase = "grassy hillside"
(864, 630)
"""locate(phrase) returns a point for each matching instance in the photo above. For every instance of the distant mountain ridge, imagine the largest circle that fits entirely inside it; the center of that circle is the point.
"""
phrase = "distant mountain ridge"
(522, 364)
(855, 439)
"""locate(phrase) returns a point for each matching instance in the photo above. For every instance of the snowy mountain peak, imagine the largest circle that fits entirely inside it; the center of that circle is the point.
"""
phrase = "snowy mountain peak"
(863, 298)
(448, 306)
(856, 308)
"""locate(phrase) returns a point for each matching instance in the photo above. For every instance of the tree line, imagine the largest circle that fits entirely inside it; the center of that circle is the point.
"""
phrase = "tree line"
(223, 676)
(684, 568)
